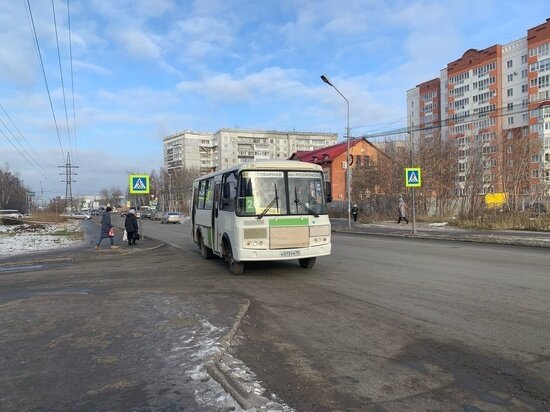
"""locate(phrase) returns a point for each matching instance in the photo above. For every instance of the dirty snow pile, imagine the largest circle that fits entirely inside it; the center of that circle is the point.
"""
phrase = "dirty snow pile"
(32, 237)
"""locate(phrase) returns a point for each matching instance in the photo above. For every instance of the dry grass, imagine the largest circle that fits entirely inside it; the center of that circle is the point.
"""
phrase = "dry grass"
(45, 217)
(504, 221)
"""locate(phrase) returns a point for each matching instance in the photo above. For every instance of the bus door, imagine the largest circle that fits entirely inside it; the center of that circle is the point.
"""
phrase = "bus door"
(215, 214)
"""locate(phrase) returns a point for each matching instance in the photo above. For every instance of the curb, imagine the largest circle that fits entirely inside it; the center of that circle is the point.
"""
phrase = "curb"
(215, 369)
(487, 239)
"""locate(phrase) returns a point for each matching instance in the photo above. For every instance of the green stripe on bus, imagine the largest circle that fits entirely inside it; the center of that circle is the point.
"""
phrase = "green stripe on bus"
(295, 221)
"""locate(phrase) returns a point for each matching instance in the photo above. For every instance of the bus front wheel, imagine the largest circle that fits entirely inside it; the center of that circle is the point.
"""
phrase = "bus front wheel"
(206, 252)
(307, 263)
(235, 267)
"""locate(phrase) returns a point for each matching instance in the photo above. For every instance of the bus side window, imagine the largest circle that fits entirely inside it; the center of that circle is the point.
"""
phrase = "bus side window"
(229, 192)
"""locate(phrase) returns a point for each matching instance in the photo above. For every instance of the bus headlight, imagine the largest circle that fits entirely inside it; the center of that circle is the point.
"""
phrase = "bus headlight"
(319, 240)
(255, 244)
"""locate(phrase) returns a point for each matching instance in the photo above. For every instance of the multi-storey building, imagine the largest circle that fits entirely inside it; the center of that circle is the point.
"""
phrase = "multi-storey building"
(189, 149)
(226, 147)
(495, 105)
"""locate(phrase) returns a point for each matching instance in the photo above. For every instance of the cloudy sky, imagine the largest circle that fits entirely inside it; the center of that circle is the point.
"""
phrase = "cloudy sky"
(142, 69)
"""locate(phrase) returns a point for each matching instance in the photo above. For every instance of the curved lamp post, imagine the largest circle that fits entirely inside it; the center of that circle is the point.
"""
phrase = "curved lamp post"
(348, 170)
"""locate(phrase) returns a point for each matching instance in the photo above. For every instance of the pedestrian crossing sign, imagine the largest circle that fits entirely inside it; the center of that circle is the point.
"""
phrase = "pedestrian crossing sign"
(139, 184)
(413, 177)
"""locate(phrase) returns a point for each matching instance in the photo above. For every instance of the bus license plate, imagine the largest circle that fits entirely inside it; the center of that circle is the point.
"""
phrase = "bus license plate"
(289, 253)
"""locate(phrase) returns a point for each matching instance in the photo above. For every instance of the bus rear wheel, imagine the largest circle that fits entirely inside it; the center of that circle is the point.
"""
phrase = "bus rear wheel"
(236, 268)
(307, 263)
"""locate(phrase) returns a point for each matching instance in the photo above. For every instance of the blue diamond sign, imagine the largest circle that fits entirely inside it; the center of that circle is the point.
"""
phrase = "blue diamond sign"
(139, 184)
(413, 177)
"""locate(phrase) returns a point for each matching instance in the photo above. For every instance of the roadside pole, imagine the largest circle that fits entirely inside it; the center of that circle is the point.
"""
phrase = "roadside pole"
(413, 178)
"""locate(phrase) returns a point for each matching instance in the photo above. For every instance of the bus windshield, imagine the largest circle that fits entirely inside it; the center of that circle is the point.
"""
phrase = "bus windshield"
(264, 193)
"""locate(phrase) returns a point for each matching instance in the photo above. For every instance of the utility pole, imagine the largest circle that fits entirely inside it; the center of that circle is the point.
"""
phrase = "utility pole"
(413, 209)
(68, 183)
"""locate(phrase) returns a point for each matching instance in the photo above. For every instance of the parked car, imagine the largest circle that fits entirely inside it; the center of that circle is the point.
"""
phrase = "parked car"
(537, 208)
(171, 217)
(79, 215)
(147, 214)
(157, 215)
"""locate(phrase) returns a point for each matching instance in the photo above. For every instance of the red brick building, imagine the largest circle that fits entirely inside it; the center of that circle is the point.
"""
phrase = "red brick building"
(494, 104)
(333, 161)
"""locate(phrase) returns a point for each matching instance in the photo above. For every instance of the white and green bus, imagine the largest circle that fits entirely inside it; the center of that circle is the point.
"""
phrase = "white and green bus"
(261, 211)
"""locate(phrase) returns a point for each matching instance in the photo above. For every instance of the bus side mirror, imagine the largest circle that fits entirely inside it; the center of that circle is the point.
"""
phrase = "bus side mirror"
(328, 192)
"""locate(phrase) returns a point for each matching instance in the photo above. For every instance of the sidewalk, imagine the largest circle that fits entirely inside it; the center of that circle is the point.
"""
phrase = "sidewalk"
(442, 231)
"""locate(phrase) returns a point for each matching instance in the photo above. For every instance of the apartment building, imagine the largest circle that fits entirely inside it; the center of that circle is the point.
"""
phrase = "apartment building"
(495, 105)
(226, 147)
(189, 149)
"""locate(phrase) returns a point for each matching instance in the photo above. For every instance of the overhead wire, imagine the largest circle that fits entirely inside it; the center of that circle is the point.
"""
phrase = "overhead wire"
(497, 113)
(23, 154)
(72, 78)
(61, 75)
(44, 163)
(45, 79)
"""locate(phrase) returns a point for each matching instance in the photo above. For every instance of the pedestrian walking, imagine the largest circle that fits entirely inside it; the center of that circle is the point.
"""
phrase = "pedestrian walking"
(107, 230)
(354, 212)
(131, 225)
(402, 211)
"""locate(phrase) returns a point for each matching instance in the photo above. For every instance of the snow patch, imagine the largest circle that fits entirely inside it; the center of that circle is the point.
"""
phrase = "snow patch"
(32, 237)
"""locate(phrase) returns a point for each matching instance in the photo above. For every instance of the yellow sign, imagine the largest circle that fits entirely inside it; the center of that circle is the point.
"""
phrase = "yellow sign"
(139, 184)
(496, 199)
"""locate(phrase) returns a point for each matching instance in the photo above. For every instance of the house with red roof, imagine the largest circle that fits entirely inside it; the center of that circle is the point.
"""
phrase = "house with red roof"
(332, 159)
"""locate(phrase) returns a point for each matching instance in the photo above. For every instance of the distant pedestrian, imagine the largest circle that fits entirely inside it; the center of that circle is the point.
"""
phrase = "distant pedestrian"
(107, 230)
(131, 225)
(354, 212)
(403, 209)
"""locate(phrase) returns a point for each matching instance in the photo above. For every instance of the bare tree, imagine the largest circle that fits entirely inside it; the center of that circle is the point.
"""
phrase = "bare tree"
(438, 160)
(517, 150)
(13, 193)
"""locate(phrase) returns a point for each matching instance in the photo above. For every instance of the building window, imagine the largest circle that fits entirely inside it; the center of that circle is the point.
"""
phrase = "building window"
(524, 88)
(510, 77)
(524, 59)
(511, 120)
(510, 92)
(524, 73)
(509, 64)
(535, 158)
(510, 106)
(535, 173)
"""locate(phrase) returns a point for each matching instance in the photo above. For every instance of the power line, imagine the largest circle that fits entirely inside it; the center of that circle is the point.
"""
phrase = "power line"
(23, 154)
(72, 79)
(23, 137)
(45, 78)
(62, 80)
(498, 112)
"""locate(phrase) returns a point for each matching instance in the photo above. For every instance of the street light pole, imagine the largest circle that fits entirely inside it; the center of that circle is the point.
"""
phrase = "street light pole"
(348, 169)
(169, 189)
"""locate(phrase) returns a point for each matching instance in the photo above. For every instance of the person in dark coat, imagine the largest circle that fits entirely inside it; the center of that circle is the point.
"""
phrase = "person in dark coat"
(131, 226)
(105, 229)
(354, 212)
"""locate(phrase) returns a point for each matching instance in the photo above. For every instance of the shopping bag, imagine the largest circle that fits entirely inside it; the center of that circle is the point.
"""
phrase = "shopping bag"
(112, 232)
(125, 235)
(137, 236)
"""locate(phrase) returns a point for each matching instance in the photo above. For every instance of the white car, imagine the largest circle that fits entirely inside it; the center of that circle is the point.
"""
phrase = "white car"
(80, 215)
(171, 217)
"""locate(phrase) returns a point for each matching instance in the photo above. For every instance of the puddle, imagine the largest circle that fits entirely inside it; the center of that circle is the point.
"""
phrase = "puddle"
(22, 294)
(15, 269)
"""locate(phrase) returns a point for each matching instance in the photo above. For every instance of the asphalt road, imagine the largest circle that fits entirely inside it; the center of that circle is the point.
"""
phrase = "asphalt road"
(398, 322)
(384, 323)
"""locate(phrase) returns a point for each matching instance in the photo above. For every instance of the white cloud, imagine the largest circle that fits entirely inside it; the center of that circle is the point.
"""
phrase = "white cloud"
(138, 44)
